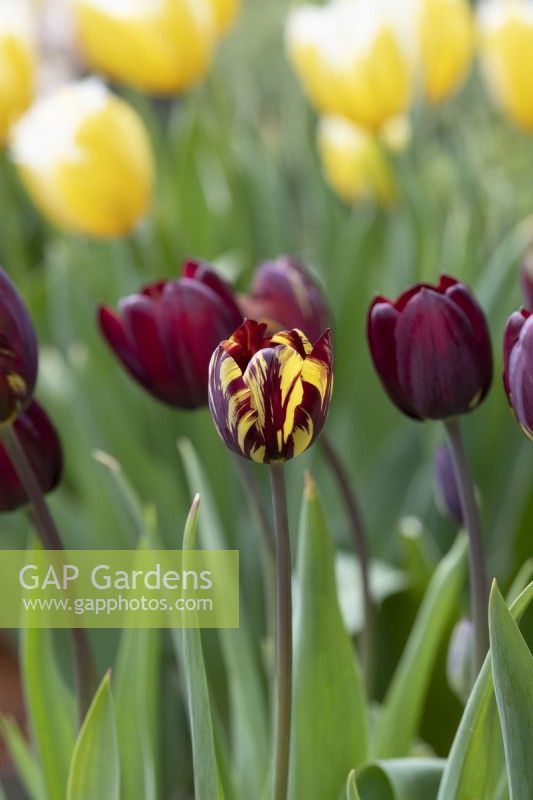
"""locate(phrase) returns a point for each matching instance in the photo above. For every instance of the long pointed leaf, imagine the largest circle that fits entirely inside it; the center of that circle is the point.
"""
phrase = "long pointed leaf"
(28, 769)
(400, 779)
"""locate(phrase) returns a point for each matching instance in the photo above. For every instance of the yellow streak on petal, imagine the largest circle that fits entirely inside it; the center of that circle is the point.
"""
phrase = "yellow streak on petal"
(258, 455)
(316, 373)
(255, 378)
(302, 437)
(283, 338)
(292, 392)
(16, 383)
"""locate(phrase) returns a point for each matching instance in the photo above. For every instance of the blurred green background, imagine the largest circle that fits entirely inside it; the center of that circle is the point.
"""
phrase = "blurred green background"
(239, 182)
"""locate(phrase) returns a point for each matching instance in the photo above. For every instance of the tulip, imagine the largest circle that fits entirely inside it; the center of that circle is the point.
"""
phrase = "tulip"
(42, 446)
(18, 352)
(354, 162)
(526, 279)
(284, 295)
(446, 42)
(270, 395)
(506, 30)
(460, 658)
(164, 46)
(352, 59)
(165, 335)
(432, 350)
(17, 63)
(518, 368)
(446, 487)
(225, 13)
(85, 158)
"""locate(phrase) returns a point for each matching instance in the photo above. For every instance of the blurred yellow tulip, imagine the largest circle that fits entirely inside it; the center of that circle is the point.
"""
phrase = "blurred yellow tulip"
(355, 162)
(225, 13)
(158, 46)
(85, 159)
(352, 58)
(17, 62)
(446, 44)
(506, 32)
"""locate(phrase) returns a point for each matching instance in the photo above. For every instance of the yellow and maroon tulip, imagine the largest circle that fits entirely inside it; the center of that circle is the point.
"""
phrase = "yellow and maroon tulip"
(431, 348)
(284, 295)
(42, 446)
(270, 395)
(18, 352)
(518, 367)
(165, 335)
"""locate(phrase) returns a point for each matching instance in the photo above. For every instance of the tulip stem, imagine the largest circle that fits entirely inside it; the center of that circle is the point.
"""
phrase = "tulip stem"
(478, 571)
(46, 528)
(360, 543)
(266, 543)
(284, 633)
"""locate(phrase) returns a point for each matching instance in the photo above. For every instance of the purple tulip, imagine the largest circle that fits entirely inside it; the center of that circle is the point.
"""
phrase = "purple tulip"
(18, 352)
(518, 367)
(165, 335)
(285, 296)
(41, 443)
(526, 279)
(431, 349)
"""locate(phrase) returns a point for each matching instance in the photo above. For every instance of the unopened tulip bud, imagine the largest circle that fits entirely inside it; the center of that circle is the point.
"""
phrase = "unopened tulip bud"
(518, 368)
(431, 348)
(446, 487)
(284, 295)
(86, 160)
(42, 446)
(17, 62)
(18, 352)
(459, 664)
(355, 163)
(158, 46)
(165, 335)
(269, 395)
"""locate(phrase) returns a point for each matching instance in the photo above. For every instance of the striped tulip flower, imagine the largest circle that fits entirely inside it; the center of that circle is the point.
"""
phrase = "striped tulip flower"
(18, 352)
(518, 368)
(270, 395)
(431, 348)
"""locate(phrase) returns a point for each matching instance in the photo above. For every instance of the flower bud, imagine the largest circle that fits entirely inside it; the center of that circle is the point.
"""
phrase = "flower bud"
(431, 349)
(351, 59)
(506, 30)
(526, 278)
(446, 487)
(270, 395)
(518, 368)
(459, 664)
(17, 63)
(354, 162)
(165, 335)
(86, 160)
(42, 446)
(18, 352)
(284, 296)
(165, 45)
(446, 44)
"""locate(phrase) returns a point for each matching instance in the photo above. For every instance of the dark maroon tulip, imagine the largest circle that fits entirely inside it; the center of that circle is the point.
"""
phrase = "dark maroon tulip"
(18, 352)
(526, 279)
(39, 439)
(166, 334)
(447, 489)
(431, 349)
(285, 296)
(518, 367)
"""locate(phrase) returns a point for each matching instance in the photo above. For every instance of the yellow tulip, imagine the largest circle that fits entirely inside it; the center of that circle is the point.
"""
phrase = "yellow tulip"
(354, 162)
(158, 46)
(506, 30)
(17, 63)
(225, 13)
(85, 159)
(446, 40)
(352, 59)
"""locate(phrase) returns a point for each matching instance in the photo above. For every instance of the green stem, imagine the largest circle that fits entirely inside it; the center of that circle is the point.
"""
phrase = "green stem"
(284, 634)
(45, 525)
(478, 572)
(360, 544)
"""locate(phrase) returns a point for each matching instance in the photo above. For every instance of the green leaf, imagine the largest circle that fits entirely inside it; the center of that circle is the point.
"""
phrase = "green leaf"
(512, 671)
(251, 745)
(398, 725)
(351, 787)
(95, 765)
(398, 779)
(51, 709)
(385, 581)
(328, 686)
(24, 760)
(206, 780)
(474, 763)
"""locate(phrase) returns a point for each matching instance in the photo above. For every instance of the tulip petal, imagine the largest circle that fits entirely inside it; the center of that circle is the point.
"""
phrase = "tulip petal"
(512, 334)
